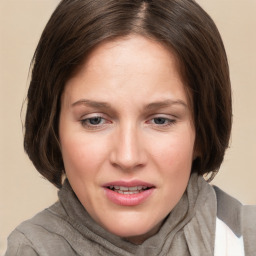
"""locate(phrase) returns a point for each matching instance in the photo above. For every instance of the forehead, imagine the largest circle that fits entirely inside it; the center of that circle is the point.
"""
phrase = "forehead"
(128, 65)
(120, 52)
(120, 47)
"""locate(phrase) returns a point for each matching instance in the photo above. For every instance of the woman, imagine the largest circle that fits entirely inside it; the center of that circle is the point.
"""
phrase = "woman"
(129, 106)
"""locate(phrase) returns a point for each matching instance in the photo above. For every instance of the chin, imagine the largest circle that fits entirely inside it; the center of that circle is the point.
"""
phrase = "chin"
(134, 231)
(131, 232)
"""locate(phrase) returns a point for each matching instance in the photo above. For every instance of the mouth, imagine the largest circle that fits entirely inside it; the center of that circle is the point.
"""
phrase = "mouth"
(128, 193)
(128, 190)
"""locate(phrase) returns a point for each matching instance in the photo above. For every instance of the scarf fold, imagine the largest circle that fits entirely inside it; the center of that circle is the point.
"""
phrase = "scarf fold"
(189, 230)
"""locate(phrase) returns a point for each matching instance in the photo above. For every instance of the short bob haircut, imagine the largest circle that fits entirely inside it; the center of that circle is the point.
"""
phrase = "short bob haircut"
(78, 26)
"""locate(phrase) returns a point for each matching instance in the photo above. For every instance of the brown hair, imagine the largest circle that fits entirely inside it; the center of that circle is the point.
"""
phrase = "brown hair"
(77, 26)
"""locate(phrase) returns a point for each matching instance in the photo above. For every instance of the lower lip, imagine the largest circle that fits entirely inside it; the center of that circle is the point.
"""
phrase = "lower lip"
(128, 200)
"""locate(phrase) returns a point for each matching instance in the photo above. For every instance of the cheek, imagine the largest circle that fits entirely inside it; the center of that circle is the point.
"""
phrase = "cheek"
(175, 151)
(175, 161)
(81, 154)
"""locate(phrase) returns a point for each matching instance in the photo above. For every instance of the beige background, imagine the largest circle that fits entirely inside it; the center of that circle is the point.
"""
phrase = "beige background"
(23, 192)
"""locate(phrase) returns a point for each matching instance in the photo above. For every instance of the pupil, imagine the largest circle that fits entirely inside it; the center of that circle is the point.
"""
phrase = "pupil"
(95, 120)
(159, 120)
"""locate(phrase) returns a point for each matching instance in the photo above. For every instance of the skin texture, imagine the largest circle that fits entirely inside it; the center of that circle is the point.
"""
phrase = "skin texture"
(142, 129)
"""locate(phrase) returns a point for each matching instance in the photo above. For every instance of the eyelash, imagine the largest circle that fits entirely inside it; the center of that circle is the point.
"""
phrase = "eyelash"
(86, 122)
(168, 121)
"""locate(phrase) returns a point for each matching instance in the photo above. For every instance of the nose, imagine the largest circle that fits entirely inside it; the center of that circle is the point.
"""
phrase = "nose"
(128, 151)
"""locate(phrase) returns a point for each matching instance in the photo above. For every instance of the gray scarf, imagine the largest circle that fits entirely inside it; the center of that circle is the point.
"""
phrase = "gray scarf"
(188, 230)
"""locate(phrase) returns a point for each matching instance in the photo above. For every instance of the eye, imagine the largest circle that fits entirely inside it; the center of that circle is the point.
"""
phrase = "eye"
(161, 121)
(94, 122)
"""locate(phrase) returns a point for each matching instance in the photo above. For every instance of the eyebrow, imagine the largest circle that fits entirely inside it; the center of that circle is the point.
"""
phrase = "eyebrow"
(91, 103)
(165, 103)
(150, 106)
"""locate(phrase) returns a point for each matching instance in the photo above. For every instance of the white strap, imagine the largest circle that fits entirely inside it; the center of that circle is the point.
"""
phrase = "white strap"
(226, 242)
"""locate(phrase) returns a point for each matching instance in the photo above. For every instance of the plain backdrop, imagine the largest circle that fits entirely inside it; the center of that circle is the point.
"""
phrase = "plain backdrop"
(23, 192)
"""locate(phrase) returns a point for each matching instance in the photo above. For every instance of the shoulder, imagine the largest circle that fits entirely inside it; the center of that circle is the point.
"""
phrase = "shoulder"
(249, 228)
(229, 210)
(19, 245)
(44, 234)
(239, 218)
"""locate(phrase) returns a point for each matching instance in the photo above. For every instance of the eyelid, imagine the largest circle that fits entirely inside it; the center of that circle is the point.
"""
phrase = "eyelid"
(166, 116)
(171, 120)
(85, 118)
(92, 115)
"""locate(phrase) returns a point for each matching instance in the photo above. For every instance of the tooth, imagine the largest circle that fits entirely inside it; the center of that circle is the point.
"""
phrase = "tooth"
(144, 187)
(123, 188)
(126, 193)
(117, 187)
(139, 187)
(133, 188)
(120, 191)
(111, 187)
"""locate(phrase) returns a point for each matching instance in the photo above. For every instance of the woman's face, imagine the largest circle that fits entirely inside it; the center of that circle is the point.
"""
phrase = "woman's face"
(127, 136)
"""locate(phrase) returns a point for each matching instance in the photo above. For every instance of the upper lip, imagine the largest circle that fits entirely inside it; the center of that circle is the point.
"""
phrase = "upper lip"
(132, 183)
